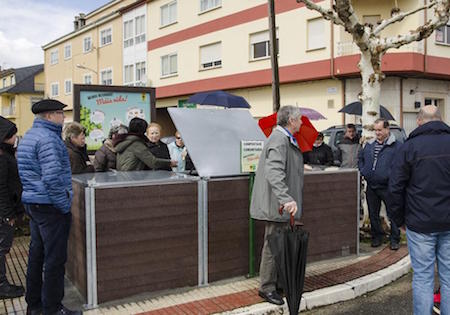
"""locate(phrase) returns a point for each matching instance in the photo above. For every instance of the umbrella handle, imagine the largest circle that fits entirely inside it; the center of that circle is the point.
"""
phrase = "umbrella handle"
(292, 220)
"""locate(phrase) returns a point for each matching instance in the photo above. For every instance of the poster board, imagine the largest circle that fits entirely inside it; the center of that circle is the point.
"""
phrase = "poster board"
(99, 107)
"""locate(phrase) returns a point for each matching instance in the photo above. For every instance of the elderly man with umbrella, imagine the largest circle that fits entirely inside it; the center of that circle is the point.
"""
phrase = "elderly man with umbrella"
(278, 183)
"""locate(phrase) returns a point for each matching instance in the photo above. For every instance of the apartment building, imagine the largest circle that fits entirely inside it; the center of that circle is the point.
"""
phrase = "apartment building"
(107, 47)
(181, 47)
(19, 89)
(218, 44)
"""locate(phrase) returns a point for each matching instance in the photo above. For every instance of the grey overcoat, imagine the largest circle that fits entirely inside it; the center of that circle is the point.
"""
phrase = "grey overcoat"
(279, 178)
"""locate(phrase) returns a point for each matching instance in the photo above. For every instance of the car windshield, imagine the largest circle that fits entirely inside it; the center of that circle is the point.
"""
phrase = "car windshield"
(398, 135)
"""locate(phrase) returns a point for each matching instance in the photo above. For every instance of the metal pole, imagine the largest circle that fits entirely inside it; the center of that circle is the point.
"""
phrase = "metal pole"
(274, 57)
(251, 232)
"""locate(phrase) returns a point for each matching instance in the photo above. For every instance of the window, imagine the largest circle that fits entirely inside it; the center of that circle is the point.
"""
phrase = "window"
(210, 56)
(316, 34)
(68, 86)
(4, 82)
(169, 65)
(87, 44)
(106, 77)
(68, 51)
(443, 34)
(140, 73)
(54, 89)
(139, 23)
(128, 34)
(206, 5)
(260, 45)
(87, 79)
(54, 57)
(106, 36)
(12, 106)
(169, 13)
(13, 80)
(128, 74)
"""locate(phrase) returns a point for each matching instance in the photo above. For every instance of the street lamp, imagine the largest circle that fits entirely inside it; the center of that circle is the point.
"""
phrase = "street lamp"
(85, 68)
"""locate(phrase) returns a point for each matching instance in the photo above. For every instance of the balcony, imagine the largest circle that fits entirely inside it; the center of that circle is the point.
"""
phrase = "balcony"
(347, 48)
(39, 87)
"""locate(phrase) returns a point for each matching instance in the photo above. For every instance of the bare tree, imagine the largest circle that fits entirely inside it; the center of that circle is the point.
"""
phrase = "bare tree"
(373, 46)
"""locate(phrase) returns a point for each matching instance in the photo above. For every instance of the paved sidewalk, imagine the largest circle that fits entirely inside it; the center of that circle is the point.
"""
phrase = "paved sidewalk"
(326, 282)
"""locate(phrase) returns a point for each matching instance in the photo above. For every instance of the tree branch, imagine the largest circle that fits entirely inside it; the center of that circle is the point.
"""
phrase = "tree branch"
(440, 18)
(327, 14)
(399, 17)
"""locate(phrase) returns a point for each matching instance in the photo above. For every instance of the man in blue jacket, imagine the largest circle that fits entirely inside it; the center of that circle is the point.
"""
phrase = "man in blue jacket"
(374, 163)
(420, 197)
(44, 170)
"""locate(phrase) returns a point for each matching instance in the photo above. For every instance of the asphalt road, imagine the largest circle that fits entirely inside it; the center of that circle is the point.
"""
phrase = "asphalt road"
(395, 298)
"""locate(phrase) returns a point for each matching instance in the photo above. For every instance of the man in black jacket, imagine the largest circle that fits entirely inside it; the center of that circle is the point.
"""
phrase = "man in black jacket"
(321, 153)
(420, 197)
(10, 202)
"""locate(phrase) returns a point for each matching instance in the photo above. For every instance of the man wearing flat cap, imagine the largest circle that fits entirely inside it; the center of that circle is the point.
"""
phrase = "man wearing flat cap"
(44, 169)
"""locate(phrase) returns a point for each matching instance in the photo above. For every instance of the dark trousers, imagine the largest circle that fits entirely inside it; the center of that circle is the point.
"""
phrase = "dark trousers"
(6, 239)
(267, 268)
(374, 197)
(47, 256)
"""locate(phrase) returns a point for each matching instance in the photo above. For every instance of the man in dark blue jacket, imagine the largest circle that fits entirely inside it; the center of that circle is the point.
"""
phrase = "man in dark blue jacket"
(374, 163)
(420, 197)
(44, 169)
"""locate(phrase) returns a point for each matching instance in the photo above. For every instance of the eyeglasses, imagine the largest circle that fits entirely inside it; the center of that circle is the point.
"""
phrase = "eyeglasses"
(178, 138)
(60, 112)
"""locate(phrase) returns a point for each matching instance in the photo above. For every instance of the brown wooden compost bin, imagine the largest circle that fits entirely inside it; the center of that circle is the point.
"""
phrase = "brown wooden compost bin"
(148, 227)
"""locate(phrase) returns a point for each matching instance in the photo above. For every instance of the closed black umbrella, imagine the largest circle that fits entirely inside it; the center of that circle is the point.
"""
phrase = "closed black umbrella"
(289, 248)
(355, 108)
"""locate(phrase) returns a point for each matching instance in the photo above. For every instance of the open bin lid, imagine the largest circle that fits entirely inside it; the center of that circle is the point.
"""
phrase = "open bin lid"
(213, 137)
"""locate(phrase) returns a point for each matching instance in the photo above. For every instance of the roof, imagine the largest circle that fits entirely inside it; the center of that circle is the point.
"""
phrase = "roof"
(24, 78)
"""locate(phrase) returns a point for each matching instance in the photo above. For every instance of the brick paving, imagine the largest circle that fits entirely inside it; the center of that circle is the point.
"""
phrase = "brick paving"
(228, 302)
(212, 299)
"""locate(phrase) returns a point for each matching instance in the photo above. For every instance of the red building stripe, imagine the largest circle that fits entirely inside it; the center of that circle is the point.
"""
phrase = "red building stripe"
(241, 17)
(407, 63)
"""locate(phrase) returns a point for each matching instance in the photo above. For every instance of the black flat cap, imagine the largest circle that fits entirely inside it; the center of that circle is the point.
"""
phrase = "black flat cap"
(47, 106)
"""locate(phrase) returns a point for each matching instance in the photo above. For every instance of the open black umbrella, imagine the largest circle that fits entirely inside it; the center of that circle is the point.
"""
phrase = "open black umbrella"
(289, 248)
(219, 98)
(355, 108)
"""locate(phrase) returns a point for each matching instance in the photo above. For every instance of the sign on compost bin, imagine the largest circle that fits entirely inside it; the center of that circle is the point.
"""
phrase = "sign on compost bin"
(250, 153)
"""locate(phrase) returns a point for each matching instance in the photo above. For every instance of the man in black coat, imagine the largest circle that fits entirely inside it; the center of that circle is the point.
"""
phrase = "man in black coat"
(419, 187)
(321, 153)
(10, 202)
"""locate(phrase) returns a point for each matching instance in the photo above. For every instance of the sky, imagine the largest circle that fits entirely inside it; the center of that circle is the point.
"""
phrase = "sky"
(27, 25)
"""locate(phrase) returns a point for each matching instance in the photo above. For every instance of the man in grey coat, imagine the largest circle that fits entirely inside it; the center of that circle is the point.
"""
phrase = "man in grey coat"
(278, 182)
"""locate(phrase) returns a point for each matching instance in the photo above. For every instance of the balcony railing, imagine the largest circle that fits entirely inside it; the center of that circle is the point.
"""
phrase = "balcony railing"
(349, 48)
(39, 87)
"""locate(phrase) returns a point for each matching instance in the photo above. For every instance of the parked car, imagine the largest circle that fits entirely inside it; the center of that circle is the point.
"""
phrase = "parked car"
(335, 134)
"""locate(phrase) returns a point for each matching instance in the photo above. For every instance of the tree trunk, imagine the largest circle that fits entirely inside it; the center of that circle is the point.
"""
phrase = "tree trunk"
(371, 77)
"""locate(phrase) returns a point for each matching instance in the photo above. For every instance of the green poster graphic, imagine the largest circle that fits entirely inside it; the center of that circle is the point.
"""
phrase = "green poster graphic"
(99, 111)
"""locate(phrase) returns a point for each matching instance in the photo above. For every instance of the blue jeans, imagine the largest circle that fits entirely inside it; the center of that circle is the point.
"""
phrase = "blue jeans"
(424, 249)
(374, 198)
(48, 253)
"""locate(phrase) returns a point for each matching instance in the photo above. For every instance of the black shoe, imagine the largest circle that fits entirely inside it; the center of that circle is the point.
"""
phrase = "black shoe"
(376, 243)
(10, 291)
(272, 297)
(65, 311)
(395, 246)
(37, 311)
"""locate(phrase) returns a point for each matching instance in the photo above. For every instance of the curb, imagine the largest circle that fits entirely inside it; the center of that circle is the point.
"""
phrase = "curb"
(334, 294)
